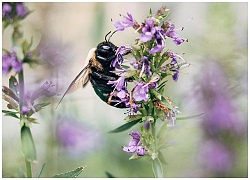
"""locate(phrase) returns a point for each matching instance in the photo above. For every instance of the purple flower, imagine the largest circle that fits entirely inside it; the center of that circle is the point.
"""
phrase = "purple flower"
(134, 108)
(120, 52)
(171, 32)
(10, 61)
(176, 75)
(148, 30)
(125, 23)
(141, 92)
(221, 115)
(6, 9)
(21, 10)
(179, 40)
(44, 90)
(147, 125)
(135, 145)
(120, 83)
(159, 41)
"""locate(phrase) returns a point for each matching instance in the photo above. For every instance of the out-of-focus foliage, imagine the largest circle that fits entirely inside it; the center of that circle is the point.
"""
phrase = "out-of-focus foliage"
(216, 32)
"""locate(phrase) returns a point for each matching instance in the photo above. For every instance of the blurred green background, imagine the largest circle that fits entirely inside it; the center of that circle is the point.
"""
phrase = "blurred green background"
(65, 32)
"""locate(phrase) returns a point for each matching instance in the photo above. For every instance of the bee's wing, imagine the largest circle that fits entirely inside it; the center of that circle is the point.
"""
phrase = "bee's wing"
(82, 78)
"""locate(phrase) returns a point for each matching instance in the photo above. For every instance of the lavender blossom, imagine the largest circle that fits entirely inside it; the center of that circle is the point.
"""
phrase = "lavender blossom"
(159, 41)
(125, 23)
(6, 9)
(148, 30)
(10, 61)
(141, 92)
(21, 10)
(120, 52)
(135, 145)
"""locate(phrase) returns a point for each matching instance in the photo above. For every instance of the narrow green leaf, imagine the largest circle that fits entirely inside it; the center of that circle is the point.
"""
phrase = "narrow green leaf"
(125, 127)
(161, 157)
(109, 175)
(28, 145)
(13, 84)
(157, 168)
(40, 172)
(10, 113)
(70, 174)
(189, 117)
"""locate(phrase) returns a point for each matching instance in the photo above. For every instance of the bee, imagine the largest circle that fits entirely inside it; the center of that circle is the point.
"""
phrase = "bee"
(99, 71)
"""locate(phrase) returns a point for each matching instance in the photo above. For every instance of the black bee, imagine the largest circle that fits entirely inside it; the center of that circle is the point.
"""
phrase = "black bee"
(99, 71)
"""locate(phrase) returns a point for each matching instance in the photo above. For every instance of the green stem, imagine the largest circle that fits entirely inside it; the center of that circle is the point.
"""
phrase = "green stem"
(21, 89)
(28, 169)
(156, 163)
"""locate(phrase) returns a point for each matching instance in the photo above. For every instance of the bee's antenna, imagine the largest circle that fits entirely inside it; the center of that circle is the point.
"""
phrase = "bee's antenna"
(112, 35)
(107, 35)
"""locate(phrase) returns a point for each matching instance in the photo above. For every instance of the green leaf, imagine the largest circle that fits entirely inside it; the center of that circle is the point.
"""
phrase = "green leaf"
(130, 118)
(162, 99)
(166, 102)
(157, 168)
(28, 145)
(10, 113)
(70, 174)
(189, 117)
(13, 84)
(40, 172)
(109, 175)
(125, 127)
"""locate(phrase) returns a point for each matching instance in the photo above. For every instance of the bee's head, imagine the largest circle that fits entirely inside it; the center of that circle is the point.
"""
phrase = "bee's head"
(105, 52)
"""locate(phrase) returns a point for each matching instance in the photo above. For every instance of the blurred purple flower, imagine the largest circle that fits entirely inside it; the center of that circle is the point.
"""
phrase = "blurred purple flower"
(135, 145)
(10, 61)
(217, 157)
(148, 30)
(75, 138)
(21, 10)
(220, 114)
(6, 9)
(125, 23)
(14, 9)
